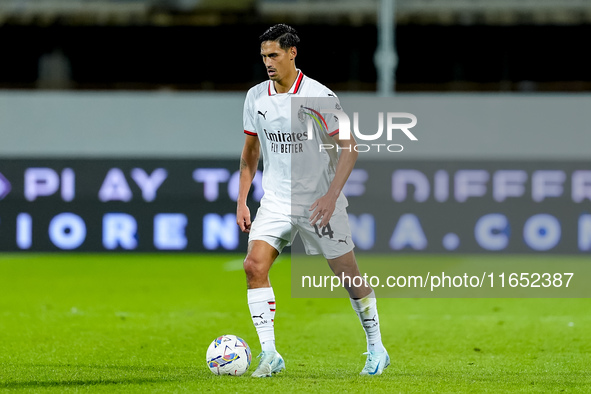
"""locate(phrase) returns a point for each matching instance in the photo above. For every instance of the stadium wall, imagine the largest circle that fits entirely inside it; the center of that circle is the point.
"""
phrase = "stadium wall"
(194, 125)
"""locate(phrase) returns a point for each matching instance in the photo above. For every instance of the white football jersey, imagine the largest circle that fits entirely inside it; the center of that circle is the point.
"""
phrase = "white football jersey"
(296, 172)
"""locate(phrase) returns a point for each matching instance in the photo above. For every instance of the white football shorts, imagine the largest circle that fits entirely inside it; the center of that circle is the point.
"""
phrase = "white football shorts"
(279, 230)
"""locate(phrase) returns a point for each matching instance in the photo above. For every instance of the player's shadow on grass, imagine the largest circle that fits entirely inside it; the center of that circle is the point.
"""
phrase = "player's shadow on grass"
(183, 374)
(82, 382)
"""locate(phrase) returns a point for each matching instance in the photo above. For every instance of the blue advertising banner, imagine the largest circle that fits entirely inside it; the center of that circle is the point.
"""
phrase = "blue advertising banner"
(436, 206)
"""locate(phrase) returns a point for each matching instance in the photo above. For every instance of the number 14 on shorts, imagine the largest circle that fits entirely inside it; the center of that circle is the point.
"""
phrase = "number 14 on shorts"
(325, 231)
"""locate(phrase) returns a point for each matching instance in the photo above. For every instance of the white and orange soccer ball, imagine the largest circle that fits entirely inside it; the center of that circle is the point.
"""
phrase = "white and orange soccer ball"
(228, 355)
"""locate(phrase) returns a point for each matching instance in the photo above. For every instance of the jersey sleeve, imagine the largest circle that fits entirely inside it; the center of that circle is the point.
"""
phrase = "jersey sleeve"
(248, 115)
(332, 122)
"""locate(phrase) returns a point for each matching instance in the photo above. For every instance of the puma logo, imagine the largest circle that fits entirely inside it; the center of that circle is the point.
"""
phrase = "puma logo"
(373, 319)
(259, 316)
(343, 241)
(264, 115)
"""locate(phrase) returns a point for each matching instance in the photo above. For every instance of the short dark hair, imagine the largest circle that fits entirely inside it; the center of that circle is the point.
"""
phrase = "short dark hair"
(285, 35)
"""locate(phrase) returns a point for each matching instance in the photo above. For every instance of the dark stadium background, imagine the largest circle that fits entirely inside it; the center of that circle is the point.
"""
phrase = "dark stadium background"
(198, 55)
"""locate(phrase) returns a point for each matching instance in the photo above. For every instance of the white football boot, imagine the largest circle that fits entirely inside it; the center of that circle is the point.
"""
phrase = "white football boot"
(271, 363)
(375, 363)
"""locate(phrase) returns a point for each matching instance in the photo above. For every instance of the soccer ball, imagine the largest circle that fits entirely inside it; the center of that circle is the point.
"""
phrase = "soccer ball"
(228, 355)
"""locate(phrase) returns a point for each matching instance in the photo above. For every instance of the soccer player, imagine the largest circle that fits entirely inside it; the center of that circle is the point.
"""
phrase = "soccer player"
(304, 197)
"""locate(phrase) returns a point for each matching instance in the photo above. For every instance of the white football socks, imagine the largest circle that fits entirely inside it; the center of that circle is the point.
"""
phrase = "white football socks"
(261, 302)
(368, 315)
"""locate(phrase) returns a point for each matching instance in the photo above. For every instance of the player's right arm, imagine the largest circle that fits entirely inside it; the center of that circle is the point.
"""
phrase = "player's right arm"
(248, 167)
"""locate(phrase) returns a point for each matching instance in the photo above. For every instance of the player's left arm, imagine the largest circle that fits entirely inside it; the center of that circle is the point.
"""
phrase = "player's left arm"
(324, 207)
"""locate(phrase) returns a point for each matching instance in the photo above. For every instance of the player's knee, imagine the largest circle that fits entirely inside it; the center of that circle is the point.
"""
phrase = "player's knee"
(254, 269)
(337, 271)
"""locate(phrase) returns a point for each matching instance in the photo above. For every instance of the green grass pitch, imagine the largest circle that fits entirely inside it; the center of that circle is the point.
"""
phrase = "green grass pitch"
(142, 323)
